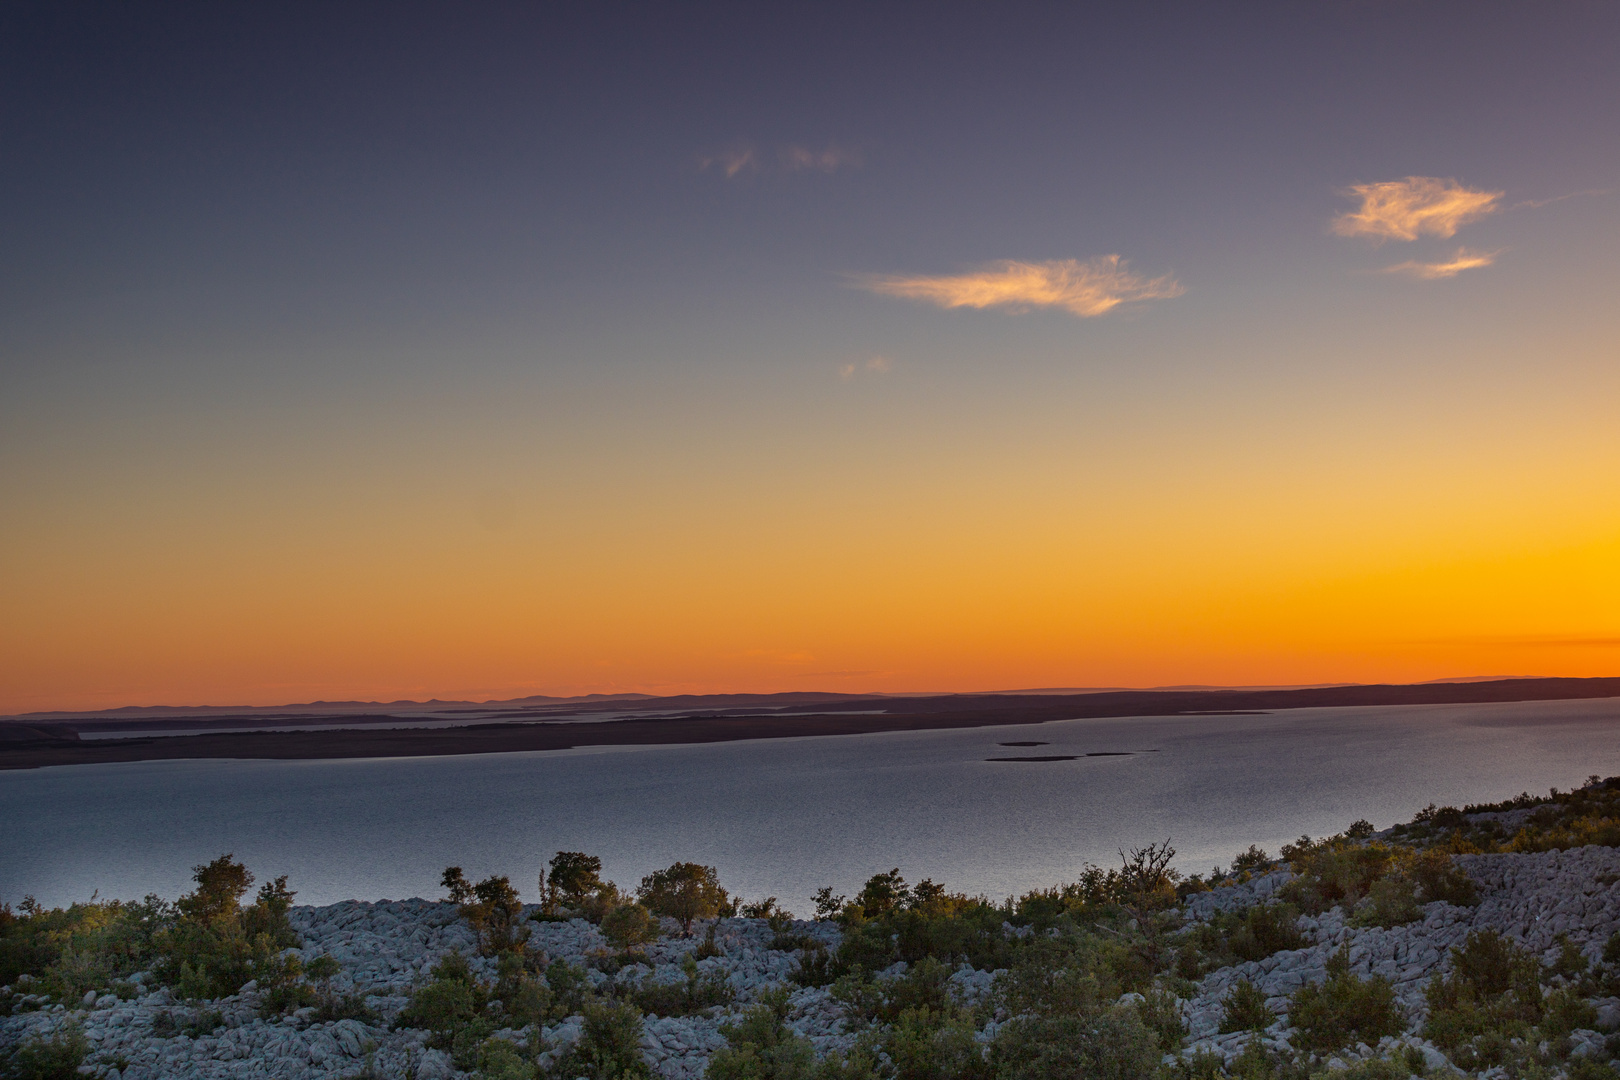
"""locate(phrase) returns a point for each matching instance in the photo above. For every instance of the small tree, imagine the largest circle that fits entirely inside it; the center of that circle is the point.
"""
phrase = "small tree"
(275, 897)
(220, 885)
(460, 888)
(629, 925)
(884, 893)
(1246, 1009)
(494, 910)
(1146, 878)
(685, 891)
(574, 876)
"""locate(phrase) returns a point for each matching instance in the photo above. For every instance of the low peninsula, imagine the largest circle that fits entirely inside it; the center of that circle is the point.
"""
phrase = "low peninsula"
(460, 728)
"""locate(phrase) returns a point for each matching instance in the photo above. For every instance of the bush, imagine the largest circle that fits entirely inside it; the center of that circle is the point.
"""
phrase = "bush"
(574, 876)
(447, 1006)
(700, 991)
(1390, 902)
(500, 1060)
(609, 1046)
(684, 891)
(760, 1047)
(1492, 995)
(1564, 1010)
(57, 1057)
(1230, 937)
(220, 885)
(1246, 1009)
(1344, 1009)
(1108, 1046)
(1160, 1012)
(924, 1044)
(1438, 877)
(1384, 1068)
(628, 925)
(1335, 872)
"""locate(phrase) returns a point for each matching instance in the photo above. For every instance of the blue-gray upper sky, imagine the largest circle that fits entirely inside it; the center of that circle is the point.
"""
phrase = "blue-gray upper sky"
(521, 262)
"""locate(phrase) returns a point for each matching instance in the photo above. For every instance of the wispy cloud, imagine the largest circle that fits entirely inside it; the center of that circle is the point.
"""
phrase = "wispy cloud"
(746, 159)
(798, 158)
(1416, 206)
(874, 365)
(1087, 289)
(731, 162)
(1432, 271)
(1536, 204)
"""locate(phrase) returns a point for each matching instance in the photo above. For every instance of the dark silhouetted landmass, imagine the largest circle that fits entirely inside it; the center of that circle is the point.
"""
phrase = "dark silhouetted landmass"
(27, 743)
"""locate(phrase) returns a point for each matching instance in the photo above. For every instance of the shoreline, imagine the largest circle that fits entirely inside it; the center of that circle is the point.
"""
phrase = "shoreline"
(38, 745)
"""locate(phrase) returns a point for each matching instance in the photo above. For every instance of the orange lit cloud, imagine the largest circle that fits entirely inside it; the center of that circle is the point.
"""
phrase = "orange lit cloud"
(1416, 206)
(1087, 289)
(1433, 271)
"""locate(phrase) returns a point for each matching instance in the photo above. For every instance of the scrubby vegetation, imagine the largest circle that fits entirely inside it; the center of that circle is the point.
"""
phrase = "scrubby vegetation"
(205, 945)
(1089, 973)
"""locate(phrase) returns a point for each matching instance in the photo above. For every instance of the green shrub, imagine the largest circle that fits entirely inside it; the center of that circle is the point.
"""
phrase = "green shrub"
(628, 925)
(56, 1057)
(1438, 877)
(815, 966)
(1335, 872)
(1246, 1009)
(1112, 1045)
(569, 986)
(83, 947)
(1492, 995)
(574, 876)
(1563, 1011)
(220, 885)
(1231, 937)
(925, 1044)
(500, 1060)
(1571, 961)
(760, 1046)
(1344, 1010)
(609, 1046)
(282, 988)
(1390, 902)
(1587, 1068)
(1396, 1067)
(519, 996)
(684, 891)
(1160, 1012)
(215, 946)
(1267, 929)
(447, 1005)
(701, 990)
(1250, 861)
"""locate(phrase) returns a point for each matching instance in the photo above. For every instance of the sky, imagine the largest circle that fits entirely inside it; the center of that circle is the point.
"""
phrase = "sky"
(476, 351)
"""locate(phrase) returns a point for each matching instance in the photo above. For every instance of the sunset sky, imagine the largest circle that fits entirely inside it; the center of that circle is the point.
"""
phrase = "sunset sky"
(402, 351)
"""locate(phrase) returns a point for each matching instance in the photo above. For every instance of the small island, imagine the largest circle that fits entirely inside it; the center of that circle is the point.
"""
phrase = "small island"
(1482, 941)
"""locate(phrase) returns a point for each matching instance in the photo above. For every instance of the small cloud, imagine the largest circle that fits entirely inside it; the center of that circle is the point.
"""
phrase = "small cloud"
(1536, 204)
(732, 162)
(798, 159)
(1416, 206)
(874, 365)
(1086, 289)
(1463, 260)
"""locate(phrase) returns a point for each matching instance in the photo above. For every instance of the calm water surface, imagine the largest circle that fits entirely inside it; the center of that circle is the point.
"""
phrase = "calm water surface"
(784, 817)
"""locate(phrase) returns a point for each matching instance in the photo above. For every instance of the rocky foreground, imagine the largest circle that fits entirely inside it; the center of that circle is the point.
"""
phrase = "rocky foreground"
(387, 948)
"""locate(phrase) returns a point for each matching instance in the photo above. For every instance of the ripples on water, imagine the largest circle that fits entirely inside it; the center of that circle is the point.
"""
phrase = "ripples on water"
(784, 817)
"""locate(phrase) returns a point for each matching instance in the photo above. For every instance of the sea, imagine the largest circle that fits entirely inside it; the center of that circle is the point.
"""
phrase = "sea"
(785, 817)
